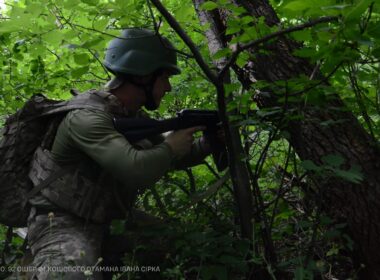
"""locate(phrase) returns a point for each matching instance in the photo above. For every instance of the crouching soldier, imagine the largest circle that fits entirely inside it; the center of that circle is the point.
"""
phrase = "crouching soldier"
(96, 172)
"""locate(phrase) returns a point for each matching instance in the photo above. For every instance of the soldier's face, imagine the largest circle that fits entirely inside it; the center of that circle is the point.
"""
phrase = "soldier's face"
(161, 87)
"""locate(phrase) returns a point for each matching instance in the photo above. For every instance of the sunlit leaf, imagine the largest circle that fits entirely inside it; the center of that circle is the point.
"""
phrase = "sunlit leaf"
(209, 5)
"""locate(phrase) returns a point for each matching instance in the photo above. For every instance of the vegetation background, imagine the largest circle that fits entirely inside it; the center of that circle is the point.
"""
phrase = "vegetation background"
(300, 107)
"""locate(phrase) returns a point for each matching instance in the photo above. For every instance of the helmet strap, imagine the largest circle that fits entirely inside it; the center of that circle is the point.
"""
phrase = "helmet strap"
(150, 103)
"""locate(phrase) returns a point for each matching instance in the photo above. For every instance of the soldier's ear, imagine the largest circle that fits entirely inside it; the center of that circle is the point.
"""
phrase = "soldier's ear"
(143, 80)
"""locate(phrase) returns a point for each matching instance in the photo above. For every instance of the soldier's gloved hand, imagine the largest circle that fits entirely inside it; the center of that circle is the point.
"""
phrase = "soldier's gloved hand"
(180, 141)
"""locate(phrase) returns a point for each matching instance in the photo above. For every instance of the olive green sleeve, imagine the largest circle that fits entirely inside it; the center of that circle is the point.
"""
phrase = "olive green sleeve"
(196, 155)
(92, 132)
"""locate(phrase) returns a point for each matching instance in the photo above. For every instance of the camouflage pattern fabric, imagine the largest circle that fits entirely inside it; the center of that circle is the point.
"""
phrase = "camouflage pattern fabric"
(60, 241)
(63, 241)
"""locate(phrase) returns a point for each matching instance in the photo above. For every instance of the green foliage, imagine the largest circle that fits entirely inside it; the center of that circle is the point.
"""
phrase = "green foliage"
(332, 167)
(50, 47)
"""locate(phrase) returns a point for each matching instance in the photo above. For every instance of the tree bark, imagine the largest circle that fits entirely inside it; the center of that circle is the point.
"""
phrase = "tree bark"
(312, 140)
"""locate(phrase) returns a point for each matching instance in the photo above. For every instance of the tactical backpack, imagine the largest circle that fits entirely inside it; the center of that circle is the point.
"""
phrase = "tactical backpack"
(32, 126)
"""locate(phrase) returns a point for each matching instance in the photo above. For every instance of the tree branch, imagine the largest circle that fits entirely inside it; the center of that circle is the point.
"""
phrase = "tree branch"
(190, 174)
(271, 36)
(159, 203)
(197, 55)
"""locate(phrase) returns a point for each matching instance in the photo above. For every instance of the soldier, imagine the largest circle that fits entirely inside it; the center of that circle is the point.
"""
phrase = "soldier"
(98, 173)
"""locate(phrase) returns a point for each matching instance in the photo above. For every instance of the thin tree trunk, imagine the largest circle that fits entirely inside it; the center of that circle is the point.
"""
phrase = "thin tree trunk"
(238, 169)
(216, 43)
(358, 204)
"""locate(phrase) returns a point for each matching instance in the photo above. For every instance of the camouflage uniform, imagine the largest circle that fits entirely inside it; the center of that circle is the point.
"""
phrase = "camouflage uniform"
(104, 173)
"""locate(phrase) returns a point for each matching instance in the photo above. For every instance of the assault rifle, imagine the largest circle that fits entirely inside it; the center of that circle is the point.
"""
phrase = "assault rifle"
(135, 129)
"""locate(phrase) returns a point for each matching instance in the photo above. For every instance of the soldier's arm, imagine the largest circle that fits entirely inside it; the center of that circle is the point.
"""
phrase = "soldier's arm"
(199, 151)
(92, 133)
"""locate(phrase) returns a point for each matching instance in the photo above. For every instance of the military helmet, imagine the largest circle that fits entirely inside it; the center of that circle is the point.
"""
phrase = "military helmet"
(140, 52)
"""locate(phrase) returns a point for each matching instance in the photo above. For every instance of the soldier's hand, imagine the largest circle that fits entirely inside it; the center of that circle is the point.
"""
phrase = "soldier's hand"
(181, 140)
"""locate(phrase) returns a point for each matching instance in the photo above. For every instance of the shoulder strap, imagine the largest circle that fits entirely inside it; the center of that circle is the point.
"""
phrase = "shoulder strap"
(80, 101)
(91, 99)
(44, 171)
(59, 173)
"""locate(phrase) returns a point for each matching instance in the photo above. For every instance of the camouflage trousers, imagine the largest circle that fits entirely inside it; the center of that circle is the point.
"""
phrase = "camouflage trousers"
(66, 247)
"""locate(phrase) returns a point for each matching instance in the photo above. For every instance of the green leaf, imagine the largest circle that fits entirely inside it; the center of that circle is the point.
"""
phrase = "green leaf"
(355, 13)
(101, 24)
(297, 5)
(231, 87)
(353, 175)
(249, 33)
(91, 2)
(333, 160)
(237, 10)
(303, 35)
(308, 8)
(209, 5)
(247, 19)
(37, 66)
(54, 37)
(283, 215)
(305, 52)
(232, 30)
(117, 227)
(214, 272)
(376, 52)
(35, 9)
(310, 166)
(78, 72)
(93, 42)
(374, 29)
(242, 59)
(333, 251)
(184, 13)
(9, 26)
(81, 58)
(222, 53)
(299, 274)
(266, 112)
